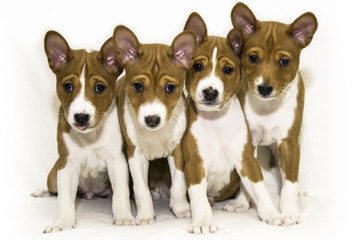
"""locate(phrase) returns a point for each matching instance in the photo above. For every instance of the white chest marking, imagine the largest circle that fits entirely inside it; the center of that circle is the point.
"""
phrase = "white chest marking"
(90, 150)
(160, 142)
(221, 136)
(270, 120)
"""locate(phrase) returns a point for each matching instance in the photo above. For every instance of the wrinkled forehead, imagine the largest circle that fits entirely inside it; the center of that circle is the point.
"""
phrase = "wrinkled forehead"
(154, 61)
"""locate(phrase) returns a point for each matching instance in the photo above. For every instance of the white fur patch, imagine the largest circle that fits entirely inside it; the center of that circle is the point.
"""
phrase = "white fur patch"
(212, 81)
(154, 108)
(81, 105)
(270, 120)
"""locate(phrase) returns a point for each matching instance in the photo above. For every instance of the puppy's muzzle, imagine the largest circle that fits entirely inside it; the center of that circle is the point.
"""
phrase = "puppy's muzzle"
(152, 120)
(265, 90)
(210, 94)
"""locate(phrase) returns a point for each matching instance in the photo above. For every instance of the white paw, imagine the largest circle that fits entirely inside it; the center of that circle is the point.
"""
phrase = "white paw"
(144, 221)
(236, 206)
(196, 229)
(290, 219)
(41, 193)
(181, 210)
(271, 217)
(59, 227)
(124, 221)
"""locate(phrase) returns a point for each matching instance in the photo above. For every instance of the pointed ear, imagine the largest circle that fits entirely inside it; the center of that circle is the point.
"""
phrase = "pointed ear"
(303, 29)
(108, 58)
(197, 24)
(57, 50)
(183, 48)
(243, 18)
(126, 45)
(235, 40)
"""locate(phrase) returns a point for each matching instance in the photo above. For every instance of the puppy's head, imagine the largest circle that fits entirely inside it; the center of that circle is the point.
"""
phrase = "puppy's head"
(215, 74)
(271, 52)
(85, 80)
(155, 74)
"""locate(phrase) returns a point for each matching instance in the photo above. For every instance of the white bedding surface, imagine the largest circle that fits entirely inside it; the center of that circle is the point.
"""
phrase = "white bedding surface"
(28, 106)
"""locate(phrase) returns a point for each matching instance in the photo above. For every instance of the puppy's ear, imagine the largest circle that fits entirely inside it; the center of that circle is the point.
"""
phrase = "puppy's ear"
(108, 58)
(126, 45)
(243, 18)
(57, 50)
(235, 40)
(303, 29)
(197, 24)
(183, 48)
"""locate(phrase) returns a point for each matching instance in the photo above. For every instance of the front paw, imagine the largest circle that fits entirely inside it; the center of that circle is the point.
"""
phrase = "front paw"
(181, 210)
(272, 217)
(291, 218)
(124, 221)
(197, 229)
(59, 225)
(144, 220)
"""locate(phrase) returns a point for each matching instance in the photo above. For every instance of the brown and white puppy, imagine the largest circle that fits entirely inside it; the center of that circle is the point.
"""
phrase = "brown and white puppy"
(217, 145)
(273, 92)
(88, 135)
(152, 113)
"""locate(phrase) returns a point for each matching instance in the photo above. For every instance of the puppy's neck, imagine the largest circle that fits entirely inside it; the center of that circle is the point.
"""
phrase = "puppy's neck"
(265, 106)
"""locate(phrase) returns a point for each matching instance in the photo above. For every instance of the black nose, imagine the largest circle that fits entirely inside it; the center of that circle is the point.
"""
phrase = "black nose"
(152, 120)
(82, 118)
(265, 89)
(210, 94)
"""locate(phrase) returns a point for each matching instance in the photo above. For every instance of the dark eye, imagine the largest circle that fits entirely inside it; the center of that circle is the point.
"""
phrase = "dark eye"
(69, 87)
(228, 70)
(253, 58)
(284, 62)
(138, 87)
(170, 88)
(99, 88)
(198, 67)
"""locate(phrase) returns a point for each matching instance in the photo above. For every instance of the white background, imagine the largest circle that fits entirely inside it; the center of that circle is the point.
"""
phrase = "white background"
(28, 108)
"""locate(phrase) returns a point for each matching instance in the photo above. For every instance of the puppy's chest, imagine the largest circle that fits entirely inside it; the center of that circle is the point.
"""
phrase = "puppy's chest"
(270, 122)
(220, 141)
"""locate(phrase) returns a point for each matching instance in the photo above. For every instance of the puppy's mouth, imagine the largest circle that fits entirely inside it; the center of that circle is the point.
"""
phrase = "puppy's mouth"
(208, 105)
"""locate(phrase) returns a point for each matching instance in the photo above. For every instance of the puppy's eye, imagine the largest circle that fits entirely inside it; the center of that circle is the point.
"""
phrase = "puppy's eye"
(253, 58)
(228, 70)
(138, 87)
(198, 67)
(99, 88)
(68, 87)
(170, 88)
(284, 62)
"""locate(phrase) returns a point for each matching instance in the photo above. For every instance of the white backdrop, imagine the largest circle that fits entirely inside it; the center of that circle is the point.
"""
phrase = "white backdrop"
(329, 160)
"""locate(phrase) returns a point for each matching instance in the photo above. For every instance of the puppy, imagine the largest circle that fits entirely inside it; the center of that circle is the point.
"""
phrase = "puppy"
(273, 92)
(88, 135)
(217, 145)
(152, 113)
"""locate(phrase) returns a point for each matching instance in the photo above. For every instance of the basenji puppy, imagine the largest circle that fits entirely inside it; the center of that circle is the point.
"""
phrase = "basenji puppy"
(217, 145)
(273, 92)
(152, 113)
(88, 132)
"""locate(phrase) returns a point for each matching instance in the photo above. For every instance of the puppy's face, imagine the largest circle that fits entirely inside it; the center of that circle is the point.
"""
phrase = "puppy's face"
(85, 81)
(155, 74)
(215, 75)
(271, 52)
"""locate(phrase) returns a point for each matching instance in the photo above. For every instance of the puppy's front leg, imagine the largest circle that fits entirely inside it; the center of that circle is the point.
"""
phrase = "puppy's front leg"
(119, 178)
(67, 185)
(139, 167)
(289, 154)
(178, 203)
